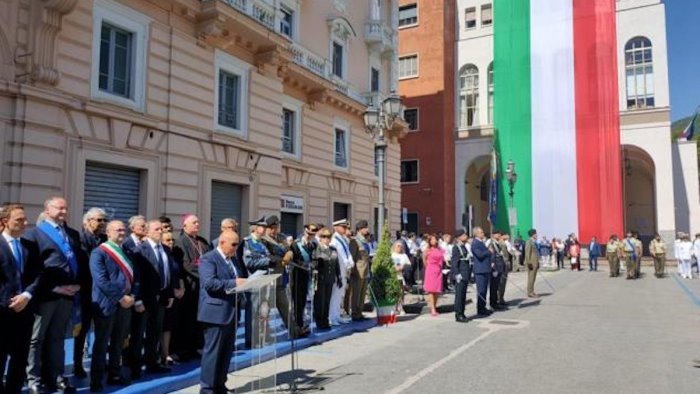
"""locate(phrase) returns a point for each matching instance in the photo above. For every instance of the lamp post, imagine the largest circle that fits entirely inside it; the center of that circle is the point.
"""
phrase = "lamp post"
(377, 122)
(511, 177)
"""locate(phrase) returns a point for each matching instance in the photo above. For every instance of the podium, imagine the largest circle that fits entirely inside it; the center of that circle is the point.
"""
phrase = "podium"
(250, 370)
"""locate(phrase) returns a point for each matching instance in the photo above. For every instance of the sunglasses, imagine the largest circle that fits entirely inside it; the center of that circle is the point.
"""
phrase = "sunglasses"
(101, 220)
(325, 236)
(234, 244)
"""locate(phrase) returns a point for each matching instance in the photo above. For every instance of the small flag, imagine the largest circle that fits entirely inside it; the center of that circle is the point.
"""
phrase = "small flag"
(690, 129)
(493, 187)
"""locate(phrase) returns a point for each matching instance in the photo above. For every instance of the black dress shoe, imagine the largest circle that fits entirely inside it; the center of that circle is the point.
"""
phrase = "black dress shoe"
(96, 388)
(359, 318)
(461, 319)
(157, 369)
(66, 387)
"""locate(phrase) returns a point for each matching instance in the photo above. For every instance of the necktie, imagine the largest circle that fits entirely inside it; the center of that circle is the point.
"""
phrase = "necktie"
(231, 267)
(17, 250)
(161, 268)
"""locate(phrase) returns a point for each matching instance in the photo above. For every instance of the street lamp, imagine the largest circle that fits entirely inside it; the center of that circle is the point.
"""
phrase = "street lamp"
(377, 121)
(511, 177)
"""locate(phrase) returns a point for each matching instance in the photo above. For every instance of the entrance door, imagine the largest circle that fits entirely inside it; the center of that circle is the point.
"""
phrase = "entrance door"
(226, 202)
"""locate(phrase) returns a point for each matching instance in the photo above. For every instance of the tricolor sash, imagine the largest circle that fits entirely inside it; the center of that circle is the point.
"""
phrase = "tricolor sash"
(123, 262)
(62, 244)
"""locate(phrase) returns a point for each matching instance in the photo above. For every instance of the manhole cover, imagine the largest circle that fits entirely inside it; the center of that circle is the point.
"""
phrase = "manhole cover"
(504, 322)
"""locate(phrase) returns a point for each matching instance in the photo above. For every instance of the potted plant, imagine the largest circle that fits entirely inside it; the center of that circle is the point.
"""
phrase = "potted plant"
(385, 286)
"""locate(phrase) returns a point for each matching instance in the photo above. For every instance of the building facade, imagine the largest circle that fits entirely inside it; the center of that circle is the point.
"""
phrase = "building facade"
(426, 72)
(221, 108)
(658, 175)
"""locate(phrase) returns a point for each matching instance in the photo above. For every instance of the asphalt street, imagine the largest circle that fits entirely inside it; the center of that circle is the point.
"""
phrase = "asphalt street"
(589, 334)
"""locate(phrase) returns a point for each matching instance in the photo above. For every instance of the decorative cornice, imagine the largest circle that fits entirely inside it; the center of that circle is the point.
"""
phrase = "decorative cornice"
(48, 19)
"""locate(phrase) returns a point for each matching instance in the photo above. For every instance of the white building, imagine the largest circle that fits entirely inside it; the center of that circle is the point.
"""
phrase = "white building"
(660, 176)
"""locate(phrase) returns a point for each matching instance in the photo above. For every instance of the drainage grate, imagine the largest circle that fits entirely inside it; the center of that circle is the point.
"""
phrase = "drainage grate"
(504, 322)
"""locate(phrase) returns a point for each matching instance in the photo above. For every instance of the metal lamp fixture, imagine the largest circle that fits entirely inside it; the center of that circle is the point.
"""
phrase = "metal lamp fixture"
(377, 121)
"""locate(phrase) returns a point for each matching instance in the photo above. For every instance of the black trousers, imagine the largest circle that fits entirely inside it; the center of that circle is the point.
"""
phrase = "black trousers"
(187, 336)
(299, 289)
(15, 334)
(461, 296)
(86, 317)
(110, 332)
(216, 356)
(494, 283)
(135, 349)
(482, 286)
(322, 303)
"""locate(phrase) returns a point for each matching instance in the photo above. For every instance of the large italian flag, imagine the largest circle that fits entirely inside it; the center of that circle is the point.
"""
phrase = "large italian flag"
(556, 115)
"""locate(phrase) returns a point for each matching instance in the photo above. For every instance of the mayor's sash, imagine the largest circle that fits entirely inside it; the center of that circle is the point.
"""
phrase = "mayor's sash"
(62, 244)
(123, 262)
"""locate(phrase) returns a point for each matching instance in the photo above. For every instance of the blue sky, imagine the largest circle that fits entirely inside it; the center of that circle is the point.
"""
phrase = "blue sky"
(683, 36)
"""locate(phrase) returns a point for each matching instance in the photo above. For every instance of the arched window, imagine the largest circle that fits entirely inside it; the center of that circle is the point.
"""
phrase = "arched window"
(639, 73)
(468, 96)
(489, 78)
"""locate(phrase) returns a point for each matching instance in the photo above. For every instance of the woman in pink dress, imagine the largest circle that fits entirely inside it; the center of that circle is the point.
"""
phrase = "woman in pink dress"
(432, 283)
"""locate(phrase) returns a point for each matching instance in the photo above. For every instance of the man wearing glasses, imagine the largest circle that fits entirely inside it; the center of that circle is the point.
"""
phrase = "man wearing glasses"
(91, 236)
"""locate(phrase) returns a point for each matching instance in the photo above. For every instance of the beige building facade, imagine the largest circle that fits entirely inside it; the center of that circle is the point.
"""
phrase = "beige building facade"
(220, 108)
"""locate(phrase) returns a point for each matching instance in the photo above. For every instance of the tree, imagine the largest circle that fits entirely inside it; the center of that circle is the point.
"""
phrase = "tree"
(385, 284)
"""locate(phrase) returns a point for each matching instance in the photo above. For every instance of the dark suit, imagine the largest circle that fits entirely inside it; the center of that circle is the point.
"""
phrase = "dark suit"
(16, 327)
(497, 272)
(109, 286)
(156, 290)
(218, 312)
(460, 266)
(482, 272)
(299, 282)
(46, 353)
(88, 242)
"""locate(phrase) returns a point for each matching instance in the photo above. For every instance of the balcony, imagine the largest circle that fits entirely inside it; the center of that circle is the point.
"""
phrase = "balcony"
(380, 37)
(317, 74)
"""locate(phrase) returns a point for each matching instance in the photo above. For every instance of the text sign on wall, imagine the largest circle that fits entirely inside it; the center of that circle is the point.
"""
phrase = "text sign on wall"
(291, 204)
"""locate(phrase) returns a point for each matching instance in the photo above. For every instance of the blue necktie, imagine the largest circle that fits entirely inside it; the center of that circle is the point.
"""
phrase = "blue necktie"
(17, 249)
(161, 268)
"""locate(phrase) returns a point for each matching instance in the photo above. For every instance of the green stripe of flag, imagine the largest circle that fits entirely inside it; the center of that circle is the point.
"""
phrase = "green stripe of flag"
(512, 106)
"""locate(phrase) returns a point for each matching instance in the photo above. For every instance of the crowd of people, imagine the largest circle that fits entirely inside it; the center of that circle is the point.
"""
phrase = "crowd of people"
(154, 298)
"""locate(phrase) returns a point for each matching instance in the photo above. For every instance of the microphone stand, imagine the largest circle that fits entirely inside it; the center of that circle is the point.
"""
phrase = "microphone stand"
(292, 328)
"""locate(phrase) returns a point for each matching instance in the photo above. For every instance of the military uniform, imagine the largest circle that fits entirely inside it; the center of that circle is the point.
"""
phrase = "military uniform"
(497, 271)
(658, 252)
(256, 258)
(359, 276)
(629, 250)
(508, 259)
(532, 262)
(612, 253)
(277, 252)
(638, 250)
(325, 263)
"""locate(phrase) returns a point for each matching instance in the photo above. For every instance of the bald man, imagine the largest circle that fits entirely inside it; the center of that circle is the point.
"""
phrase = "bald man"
(220, 274)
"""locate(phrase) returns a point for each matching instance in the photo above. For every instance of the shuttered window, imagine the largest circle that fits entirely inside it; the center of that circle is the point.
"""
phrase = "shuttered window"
(226, 201)
(114, 189)
(341, 211)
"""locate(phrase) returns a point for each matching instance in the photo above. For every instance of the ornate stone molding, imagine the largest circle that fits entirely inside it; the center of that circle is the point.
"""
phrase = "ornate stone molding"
(47, 21)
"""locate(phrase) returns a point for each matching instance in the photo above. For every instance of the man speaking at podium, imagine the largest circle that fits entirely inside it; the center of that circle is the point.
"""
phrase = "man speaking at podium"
(219, 275)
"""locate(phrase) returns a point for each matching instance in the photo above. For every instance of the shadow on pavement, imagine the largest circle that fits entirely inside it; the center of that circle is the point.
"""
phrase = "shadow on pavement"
(529, 304)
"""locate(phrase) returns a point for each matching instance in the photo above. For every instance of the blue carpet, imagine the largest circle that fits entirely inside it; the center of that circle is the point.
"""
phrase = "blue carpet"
(187, 374)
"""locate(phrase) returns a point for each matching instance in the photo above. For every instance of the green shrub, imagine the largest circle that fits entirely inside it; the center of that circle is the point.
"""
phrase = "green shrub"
(385, 284)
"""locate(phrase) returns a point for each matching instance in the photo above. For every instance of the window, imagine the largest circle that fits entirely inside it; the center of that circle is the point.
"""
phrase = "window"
(469, 96)
(374, 80)
(231, 109)
(287, 22)
(486, 15)
(409, 171)
(408, 66)
(411, 117)
(341, 211)
(408, 15)
(337, 59)
(639, 73)
(341, 148)
(115, 61)
(288, 131)
(470, 18)
(119, 54)
(489, 78)
(229, 100)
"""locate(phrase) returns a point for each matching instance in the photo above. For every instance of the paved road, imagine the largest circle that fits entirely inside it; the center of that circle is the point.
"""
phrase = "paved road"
(593, 334)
